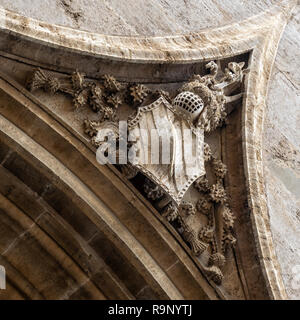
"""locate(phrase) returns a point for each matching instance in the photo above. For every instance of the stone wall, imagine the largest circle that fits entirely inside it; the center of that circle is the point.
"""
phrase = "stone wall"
(282, 154)
(138, 17)
(282, 134)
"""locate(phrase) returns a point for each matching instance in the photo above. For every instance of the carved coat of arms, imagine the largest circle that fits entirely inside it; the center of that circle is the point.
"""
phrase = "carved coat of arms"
(170, 148)
(167, 137)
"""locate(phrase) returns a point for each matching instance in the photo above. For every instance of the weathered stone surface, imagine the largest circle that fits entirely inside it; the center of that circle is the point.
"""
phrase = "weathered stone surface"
(281, 130)
(282, 154)
(138, 17)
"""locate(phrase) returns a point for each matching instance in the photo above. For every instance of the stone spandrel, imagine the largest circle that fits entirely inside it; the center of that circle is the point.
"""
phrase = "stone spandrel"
(197, 108)
(278, 120)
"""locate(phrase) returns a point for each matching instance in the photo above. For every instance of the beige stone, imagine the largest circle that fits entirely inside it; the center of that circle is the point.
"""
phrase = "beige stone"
(84, 228)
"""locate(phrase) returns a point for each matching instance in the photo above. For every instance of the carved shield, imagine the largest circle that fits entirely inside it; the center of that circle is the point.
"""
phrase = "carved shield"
(169, 148)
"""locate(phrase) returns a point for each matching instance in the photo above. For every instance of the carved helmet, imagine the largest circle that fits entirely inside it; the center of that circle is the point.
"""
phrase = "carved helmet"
(188, 105)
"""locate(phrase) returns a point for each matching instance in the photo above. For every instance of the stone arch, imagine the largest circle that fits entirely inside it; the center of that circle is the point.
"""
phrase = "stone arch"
(62, 49)
(67, 207)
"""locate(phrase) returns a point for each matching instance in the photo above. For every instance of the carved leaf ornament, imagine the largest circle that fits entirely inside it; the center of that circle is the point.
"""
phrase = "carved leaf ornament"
(179, 125)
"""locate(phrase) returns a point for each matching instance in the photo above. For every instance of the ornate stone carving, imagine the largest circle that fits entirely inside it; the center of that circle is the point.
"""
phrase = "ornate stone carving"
(139, 92)
(217, 192)
(212, 90)
(219, 168)
(170, 212)
(129, 171)
(152, 191)
(207, 152)
(204, 206)
(188, 105)
(190, 234)
(103, 97)
(176, 176)
(201, 184)
(199, 105)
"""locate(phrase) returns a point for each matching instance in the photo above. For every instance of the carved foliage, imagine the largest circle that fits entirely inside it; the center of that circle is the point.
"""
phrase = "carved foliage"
(216, 236)
(210, 88)
(209, 93)
(103, 97)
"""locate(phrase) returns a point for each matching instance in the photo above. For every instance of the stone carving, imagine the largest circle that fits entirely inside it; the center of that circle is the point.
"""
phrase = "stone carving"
(139, 92)
(213, 204)
(216, 236)
(129, 171)
(177, 174)
(202, 101)
(104, 98)
(170, 212)
(188, 105)
(189, 232)
(201, 184)
(152, 191)
(212, 90)
(200, 104)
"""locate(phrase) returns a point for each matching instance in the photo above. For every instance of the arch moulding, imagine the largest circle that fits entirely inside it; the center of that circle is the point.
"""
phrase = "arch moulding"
(42, 134)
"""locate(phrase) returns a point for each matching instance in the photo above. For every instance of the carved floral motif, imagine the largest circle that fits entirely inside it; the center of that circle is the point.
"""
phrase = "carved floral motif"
(152, 191)
(102, 97)
(202, 101)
